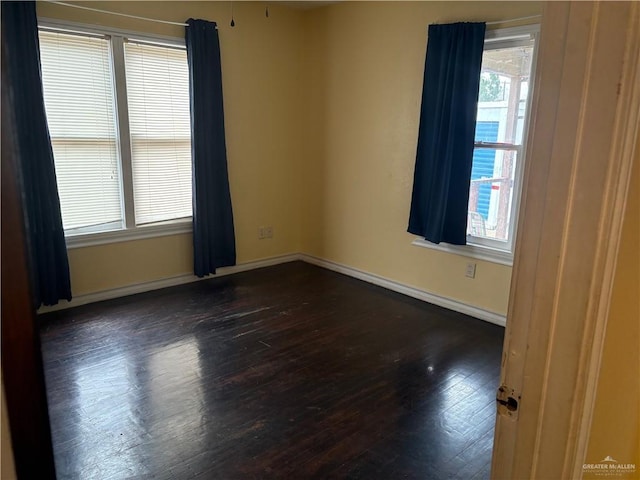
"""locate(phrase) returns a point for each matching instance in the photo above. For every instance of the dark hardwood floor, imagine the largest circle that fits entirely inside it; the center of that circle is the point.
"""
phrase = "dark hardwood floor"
(289, 372)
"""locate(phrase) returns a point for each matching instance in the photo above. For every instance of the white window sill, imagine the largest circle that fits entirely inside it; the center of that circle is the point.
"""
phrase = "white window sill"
(138, 233)
(479, 252)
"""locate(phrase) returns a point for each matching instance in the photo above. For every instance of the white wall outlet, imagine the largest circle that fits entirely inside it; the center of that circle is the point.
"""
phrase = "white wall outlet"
(471, 270)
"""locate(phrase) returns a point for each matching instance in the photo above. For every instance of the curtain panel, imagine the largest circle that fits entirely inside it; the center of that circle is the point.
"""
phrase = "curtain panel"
(49, 266)
(444, 156)
(213, 229)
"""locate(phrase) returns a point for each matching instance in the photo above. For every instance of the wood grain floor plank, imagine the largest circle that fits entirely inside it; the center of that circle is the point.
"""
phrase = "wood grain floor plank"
(290, 371)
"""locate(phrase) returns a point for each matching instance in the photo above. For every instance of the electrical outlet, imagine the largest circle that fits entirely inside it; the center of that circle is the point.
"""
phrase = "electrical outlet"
(471, 270)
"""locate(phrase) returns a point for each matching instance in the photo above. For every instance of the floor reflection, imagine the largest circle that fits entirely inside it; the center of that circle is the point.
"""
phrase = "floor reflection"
(108, 384)
(286, 372)
(124, 417)
(175, 420)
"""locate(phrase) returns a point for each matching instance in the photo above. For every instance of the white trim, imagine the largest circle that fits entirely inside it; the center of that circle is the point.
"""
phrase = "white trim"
(126, 235)
(56, 24)
(164, 283)
(413, 292)
(518, 179)
(511, 33)
(497, 22)
(479, 252)
(121, 101)
(624, 145)
(383, 282)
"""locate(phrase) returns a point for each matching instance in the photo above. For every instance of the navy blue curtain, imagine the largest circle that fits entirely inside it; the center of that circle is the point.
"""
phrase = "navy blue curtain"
(446, 135)
(43, 222)
(213, 234)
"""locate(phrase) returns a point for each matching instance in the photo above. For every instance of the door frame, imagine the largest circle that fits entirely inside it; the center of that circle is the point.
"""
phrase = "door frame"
(584, 127)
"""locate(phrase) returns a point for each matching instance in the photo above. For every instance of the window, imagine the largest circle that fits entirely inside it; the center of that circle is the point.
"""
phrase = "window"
(78, 92)
(118, 115)
(497, 157)
(158, 99)
(500, 137)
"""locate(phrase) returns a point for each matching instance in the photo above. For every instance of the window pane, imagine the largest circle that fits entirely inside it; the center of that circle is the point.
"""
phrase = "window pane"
(78, 96)
(491, 193)
(504, 89)
(502, 103)
(159, 120)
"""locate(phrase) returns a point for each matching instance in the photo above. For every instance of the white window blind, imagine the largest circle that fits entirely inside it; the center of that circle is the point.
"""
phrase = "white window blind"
(159, 122)
(78, 96)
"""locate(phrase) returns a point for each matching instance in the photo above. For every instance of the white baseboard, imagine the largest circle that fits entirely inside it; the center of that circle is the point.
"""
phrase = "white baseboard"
(267, 262)
(454, 305)
(164, 283)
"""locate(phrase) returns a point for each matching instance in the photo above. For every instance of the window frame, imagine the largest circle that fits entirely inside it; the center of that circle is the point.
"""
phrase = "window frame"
(480, 248)
(129, 230)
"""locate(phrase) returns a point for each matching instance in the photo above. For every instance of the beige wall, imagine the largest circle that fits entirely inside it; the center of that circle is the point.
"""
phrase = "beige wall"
(322, 110)
(364, 73)
(615, 430)
(262, 88)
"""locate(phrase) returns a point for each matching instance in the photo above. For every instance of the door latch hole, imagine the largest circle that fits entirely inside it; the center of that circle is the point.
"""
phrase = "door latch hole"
(510, 403)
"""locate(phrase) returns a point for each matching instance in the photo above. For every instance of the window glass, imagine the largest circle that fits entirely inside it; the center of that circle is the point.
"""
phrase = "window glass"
(502, 103)
(79, 102)
(159, 121)
(83, 102)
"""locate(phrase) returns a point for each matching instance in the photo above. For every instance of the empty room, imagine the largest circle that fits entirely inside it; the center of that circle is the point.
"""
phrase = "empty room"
(341, 239)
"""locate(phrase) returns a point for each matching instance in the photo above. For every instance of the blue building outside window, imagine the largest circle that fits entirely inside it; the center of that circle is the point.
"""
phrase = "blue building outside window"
(483, 164)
